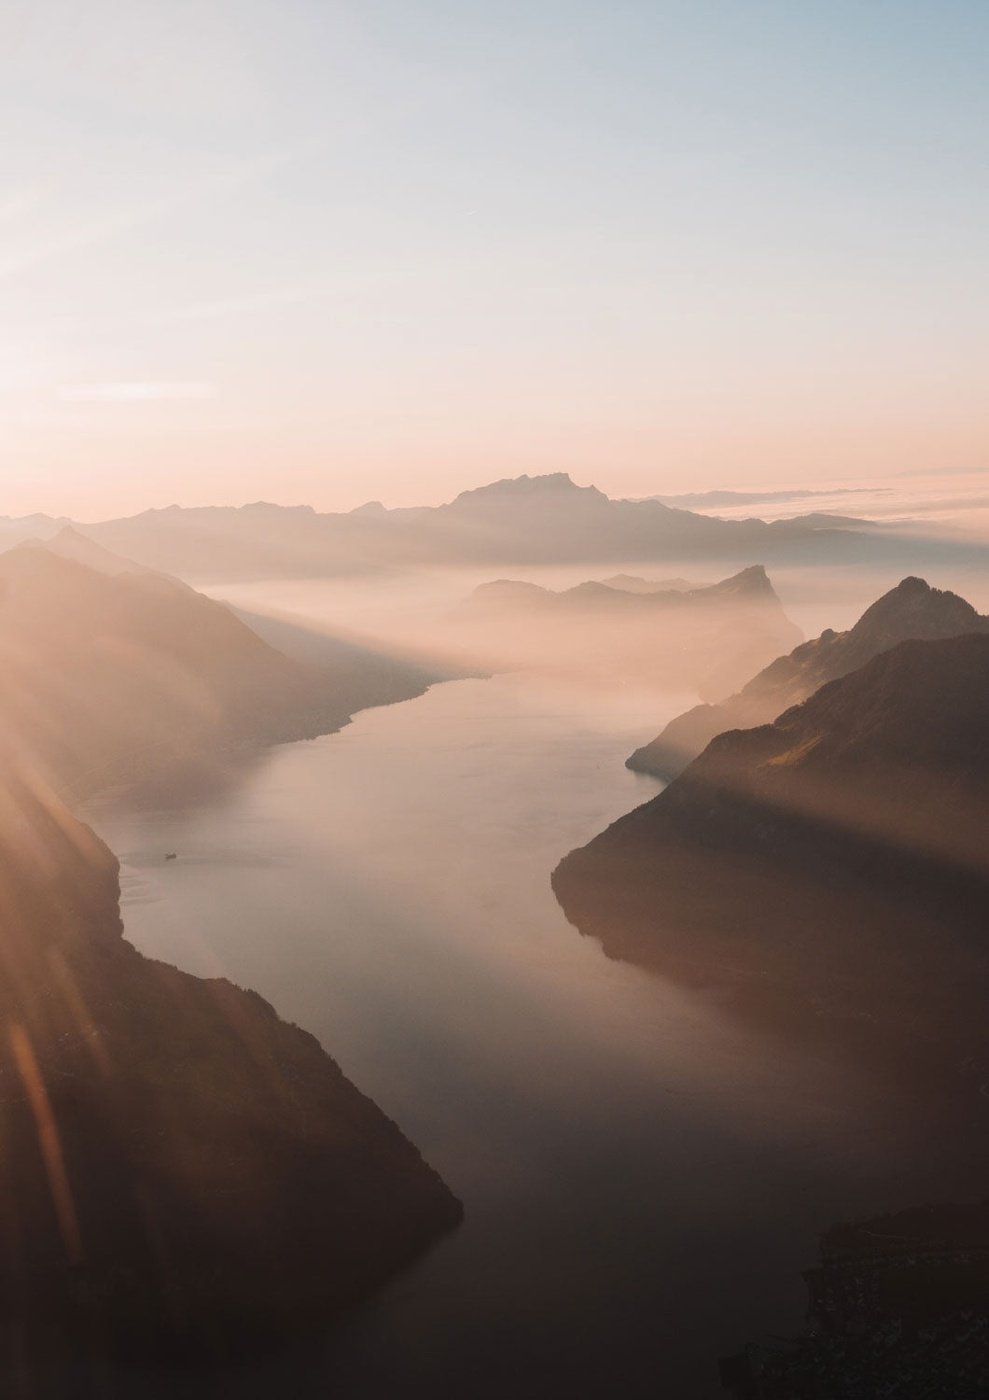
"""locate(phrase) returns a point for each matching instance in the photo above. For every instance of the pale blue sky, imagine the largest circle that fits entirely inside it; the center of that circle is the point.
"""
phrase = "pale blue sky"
(324, 252)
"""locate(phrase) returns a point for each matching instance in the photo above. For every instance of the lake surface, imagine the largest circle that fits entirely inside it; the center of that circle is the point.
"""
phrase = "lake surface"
(644, 1175)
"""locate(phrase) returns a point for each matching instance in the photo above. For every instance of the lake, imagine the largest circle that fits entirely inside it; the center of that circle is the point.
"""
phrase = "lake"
(644, 1174)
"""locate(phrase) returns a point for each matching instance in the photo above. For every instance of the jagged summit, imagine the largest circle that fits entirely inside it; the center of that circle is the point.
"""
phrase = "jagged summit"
(751, 581)
(556, 483)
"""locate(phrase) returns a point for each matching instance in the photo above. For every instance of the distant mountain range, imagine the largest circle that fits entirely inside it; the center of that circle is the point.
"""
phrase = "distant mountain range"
(912, 610)
(699, 638)
(833, 863)
(626, 594)
(526, 520)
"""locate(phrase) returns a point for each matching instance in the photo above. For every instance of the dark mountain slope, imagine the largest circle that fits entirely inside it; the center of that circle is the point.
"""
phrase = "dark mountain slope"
(835, 860)
(911, 610)
(180, 1169)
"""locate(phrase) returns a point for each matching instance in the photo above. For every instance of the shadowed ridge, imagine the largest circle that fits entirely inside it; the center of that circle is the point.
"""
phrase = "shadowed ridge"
(835, 859)
(913, 609)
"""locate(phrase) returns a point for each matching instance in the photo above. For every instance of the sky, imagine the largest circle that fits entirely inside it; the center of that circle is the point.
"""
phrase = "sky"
(325, 252)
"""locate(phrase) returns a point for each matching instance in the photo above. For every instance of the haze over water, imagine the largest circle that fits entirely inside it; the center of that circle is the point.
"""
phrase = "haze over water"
(324, 311)
(644, 1175)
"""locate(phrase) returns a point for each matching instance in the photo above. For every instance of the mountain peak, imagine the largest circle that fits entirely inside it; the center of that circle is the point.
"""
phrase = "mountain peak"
(515, 487)
(752, 582)
(755, 575)
(913, 609)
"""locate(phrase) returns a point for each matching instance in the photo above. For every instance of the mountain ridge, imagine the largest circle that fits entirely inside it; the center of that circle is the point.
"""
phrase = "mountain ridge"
(833, 860)
(911, 610)
(526, 520)
(703, 638)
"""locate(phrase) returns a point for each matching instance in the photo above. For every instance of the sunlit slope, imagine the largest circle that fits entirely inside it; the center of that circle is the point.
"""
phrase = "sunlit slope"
(911, 610)
(118, 676)
(179, 1167)
(836, 859)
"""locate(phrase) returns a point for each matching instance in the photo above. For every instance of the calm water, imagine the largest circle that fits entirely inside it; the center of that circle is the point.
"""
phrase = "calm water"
(644, 1176)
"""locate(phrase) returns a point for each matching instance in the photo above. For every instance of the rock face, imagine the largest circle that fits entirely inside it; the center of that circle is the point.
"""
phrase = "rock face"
(911, 610)
(699, 637)
(181, 1170)
(833, 861)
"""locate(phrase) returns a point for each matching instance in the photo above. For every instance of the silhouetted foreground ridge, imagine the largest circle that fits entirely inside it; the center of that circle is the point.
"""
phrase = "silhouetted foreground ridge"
(835, 861)
(181, 1170)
